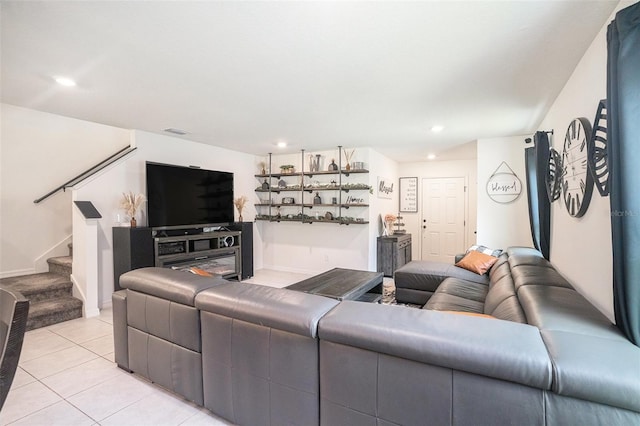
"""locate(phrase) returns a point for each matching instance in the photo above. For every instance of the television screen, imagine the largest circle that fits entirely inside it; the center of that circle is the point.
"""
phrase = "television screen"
(188, 197)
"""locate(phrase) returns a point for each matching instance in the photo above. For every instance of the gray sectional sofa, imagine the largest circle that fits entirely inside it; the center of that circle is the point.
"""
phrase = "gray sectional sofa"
(258, 355)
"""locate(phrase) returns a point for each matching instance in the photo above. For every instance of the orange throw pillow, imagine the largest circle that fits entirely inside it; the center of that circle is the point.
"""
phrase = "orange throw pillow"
(477, 262)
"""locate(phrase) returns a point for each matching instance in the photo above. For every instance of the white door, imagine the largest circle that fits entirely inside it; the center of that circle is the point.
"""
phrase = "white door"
(443, 218)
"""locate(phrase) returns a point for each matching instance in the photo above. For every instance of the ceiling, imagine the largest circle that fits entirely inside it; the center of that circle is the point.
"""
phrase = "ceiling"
(316, 74)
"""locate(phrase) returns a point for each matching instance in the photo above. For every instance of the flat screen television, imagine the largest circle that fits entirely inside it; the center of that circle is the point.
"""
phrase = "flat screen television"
(188, 197)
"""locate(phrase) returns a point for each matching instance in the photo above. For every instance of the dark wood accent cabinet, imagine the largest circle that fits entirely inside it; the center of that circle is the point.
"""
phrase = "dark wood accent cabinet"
(132, 249)
(393, 252)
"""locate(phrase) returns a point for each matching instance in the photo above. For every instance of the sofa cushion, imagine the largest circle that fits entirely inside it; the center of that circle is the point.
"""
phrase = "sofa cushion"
(427, 276)
(502, 302)
(477, 262)
(499, 269)
(524, 275)
(448, 302)
(589, 368)
(463, 288)
(564, 309)
(509, 351)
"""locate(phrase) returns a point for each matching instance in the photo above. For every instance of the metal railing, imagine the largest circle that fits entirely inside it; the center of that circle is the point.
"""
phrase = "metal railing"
(89, 172)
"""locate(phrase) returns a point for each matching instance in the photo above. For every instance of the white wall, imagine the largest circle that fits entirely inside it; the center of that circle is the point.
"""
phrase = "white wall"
(437, 169)
(581, 248)
(502, 225)
(105, 189)
(39, 152)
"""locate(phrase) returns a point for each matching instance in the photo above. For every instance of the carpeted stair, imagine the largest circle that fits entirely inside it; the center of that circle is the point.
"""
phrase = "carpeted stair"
(50, 294)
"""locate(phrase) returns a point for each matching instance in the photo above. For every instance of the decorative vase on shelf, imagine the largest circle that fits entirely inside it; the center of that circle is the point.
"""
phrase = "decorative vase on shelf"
(134, 222)
(347, 167)
(333, 167)
(317, 199)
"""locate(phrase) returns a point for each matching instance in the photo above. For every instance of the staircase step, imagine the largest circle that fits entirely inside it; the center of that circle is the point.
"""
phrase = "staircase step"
(53, 311)
(38, 287)
(60, 265)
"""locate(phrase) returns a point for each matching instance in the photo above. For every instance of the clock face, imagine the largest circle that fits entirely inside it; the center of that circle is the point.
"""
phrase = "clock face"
(577, 182)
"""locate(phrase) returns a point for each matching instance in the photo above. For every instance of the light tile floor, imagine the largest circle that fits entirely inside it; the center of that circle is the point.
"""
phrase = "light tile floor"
(67, 376)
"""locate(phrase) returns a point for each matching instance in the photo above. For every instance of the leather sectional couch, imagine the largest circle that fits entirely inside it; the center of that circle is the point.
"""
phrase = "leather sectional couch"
(259, 355)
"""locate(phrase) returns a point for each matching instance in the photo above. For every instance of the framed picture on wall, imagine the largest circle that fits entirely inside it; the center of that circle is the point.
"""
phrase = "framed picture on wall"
(408, 194)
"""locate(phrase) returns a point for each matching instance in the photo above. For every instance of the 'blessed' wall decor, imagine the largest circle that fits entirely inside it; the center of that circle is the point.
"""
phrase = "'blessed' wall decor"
(504, 186)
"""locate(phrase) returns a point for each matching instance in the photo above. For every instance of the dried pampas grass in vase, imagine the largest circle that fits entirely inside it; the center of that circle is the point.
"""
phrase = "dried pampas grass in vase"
(239, 203)
(130, 203)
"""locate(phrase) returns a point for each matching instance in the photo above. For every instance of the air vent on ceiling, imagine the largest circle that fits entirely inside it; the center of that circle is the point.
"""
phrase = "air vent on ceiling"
(176, 131)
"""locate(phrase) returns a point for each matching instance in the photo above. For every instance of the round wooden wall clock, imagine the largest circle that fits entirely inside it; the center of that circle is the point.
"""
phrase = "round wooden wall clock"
(577, 182)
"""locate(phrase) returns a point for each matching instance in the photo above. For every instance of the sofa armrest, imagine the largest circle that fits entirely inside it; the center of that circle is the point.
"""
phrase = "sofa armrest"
(484, 346)
(120, 332)
(459, 257)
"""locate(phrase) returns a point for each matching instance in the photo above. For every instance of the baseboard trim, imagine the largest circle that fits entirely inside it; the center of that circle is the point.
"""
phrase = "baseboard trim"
(17, 273)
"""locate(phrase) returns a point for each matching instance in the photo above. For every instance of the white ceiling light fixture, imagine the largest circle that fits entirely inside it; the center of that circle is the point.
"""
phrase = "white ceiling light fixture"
(65, 81)
(431, 157)
(437, 129)
(281, 144)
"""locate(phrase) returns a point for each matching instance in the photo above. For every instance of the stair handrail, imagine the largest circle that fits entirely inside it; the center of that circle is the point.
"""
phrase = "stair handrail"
(89, 172)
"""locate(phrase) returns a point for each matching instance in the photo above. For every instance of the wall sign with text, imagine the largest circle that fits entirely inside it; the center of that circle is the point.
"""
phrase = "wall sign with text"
(385, 187)
(504, 186)
(409, 194)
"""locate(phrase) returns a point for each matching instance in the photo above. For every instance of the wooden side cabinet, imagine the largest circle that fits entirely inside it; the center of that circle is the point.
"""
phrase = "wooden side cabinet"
(132, 249)
(393, 252)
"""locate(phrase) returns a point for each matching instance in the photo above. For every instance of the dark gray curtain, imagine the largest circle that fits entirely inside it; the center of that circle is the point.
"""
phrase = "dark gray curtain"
(623, 150)
(536, 159)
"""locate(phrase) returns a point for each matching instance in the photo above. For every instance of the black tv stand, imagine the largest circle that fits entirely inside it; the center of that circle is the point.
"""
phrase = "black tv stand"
(216, 252)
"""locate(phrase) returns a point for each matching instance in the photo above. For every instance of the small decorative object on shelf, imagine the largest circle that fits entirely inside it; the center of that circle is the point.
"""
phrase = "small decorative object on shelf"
(334, 200)
(263, 167)
(265, 185)
(314, 164)
(317, 199)
(333, 167)
(287, 169)
(348, 156)
(282, 183)
(131, 203)
(328, 216)
(288, 200)
(239, 203)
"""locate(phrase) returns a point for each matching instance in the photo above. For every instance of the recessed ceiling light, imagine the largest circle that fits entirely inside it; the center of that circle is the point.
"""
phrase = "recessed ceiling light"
(436, 129)
(65, 81)
(431, 157)
(282, 144)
